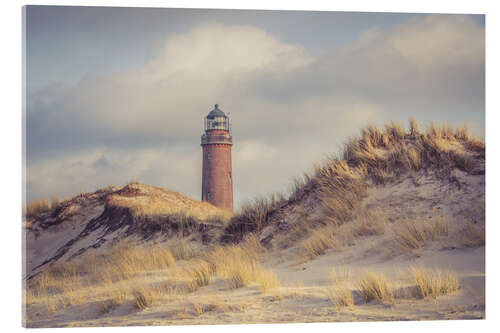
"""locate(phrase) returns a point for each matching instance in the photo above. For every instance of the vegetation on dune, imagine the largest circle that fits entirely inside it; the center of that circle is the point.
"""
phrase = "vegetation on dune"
(414, 234)
(423, 283)
(118, 276)
(148, 201)
(374, 286)
(340, 296)
(321, 239)
(339, 184)
(327, 204)
(433, 283)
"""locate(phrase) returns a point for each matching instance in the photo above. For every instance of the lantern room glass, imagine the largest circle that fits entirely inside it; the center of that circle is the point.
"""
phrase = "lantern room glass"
(217, 123)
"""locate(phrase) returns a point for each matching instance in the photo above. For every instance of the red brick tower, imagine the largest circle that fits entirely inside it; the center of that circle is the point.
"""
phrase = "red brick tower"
(217, 178)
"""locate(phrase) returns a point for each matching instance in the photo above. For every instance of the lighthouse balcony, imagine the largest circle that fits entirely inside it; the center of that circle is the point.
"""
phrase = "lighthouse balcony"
(216, 139)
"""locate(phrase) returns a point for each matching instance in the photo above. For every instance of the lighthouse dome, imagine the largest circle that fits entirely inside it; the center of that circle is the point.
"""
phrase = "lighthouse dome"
(216, 112)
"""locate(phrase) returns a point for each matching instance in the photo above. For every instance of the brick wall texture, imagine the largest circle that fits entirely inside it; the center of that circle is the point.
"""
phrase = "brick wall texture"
(217, 182)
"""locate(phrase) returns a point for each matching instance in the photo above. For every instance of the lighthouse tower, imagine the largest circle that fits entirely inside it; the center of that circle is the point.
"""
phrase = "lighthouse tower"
(217, 178)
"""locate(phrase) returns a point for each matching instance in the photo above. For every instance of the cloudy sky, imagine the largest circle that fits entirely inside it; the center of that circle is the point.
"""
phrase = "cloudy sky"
(115, 94)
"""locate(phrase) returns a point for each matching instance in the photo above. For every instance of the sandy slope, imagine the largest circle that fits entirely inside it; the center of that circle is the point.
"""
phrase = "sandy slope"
(94, 220)
(302, 298)
(436, 196)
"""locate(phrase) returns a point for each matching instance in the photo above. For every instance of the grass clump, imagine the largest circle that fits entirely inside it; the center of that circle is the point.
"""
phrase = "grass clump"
(433, 283)
(374, 286)
(115, 296)
(321, 239)
(266, 279)
(240, 274)
(339, 274)
(181, 249)
(369, 224)
(125, 260)
(240, 265)
(36, 207)
(340, 296)
(143, 297)
(198, 275)
(253, 217)
(412, 235)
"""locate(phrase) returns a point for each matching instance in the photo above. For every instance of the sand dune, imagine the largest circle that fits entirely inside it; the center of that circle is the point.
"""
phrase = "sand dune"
(402, 213)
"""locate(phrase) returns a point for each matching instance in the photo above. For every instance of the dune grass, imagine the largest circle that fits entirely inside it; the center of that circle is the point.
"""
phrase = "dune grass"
(68, 283)
(120, 274)
(415, 234)
(240, 265)
(197, 274)
(333, 191)
(181, 249)
(369, 223)
(36, 207)
(424, 283)
(149, 201)
(143, 297)
(375, 286)
(434, 282)
(376, 157)
(320, 241)
(339, 274)
(340, 296)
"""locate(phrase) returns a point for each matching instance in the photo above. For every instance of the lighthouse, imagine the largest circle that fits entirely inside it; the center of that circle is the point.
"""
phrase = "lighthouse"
(216, 143)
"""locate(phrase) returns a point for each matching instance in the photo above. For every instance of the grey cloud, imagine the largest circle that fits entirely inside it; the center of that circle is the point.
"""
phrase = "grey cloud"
(287, 107)
(101, 163)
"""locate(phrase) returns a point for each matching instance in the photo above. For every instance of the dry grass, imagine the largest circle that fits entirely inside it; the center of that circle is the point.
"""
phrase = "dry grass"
(340, 296)
(266, 279)
(339, 274)
(55, 202)
(115, 296)
(340, 190)
(181, 249)
(197, 275)
(122, 262)
(369, 223)
(321, 240)
(412, 235)
(378, 156)
(433, 283)
(125, 260)
(121, 275)
(36, 207)
(240, 274)
(240, 265)
(374, 286)
(253, 216)
(145, 201)
(217, 305)
(143, 297)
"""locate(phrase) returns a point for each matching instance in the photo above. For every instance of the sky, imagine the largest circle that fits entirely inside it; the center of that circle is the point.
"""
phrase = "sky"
(119, 94)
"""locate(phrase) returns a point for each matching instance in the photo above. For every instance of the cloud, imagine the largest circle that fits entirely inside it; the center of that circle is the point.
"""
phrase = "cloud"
(89, 170)
(288, 108)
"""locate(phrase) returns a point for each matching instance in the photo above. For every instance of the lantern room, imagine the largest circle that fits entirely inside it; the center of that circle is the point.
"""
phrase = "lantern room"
(216, 120)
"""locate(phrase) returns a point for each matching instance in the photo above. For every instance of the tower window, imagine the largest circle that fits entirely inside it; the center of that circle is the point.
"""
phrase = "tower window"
(208, 196)
(208, 155)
